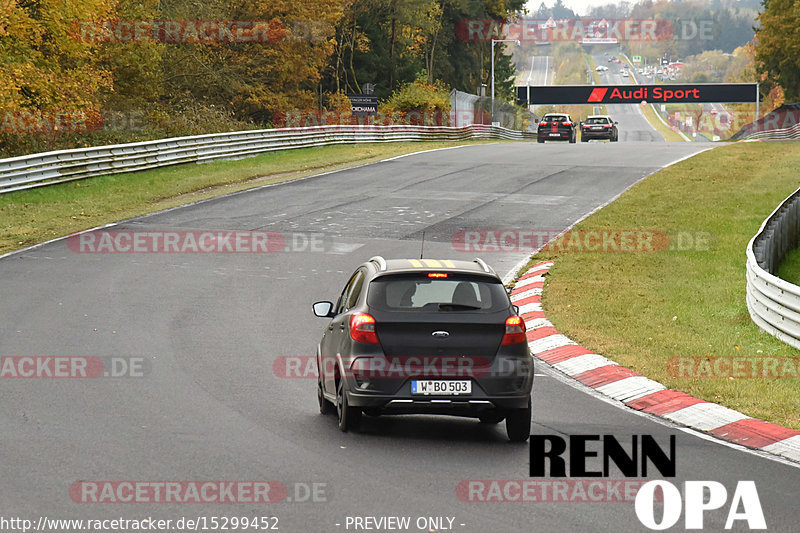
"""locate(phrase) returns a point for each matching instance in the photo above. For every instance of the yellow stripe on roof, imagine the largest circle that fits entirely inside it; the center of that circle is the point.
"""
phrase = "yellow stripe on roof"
(448, 263)
(433, 263)
(415, 263)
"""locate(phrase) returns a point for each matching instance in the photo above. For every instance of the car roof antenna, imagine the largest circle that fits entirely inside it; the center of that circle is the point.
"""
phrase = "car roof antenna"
(422, 246)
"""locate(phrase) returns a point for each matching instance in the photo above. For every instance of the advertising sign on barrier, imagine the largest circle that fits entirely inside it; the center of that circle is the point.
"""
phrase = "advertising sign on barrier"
(696, 93)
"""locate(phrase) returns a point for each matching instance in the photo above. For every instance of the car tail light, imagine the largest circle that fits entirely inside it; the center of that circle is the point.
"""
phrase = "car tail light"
(515, 331)
(543, 123)
(586, 127)
(566, 123)
(607, 126)
(362, 328)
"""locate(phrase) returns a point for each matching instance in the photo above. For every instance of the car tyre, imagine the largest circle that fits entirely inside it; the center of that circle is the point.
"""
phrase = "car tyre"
(491, 417)
(349, 417)
(584, 139)
(518, 424)
(540, 141)
(615, 138)
(573, 139)
(325, 407)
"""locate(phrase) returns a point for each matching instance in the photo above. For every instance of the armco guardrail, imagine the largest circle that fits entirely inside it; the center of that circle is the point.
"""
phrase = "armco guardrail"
(47, 168)
(782, 123)
(779, 134)
(774, 304)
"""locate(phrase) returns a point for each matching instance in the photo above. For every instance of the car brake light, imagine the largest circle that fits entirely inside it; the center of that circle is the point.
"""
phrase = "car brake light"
(543, 123)
(607, 126)
(515, 331)
(362, 328)
(566, 123)
(437, 274)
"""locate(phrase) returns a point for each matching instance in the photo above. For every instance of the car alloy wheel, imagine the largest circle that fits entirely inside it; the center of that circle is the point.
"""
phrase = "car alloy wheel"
(349, 417)
(518, 424)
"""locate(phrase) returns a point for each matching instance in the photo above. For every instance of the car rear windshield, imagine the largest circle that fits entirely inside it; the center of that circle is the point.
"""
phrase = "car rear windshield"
(597, 120)
(555, 118)
(422, 293)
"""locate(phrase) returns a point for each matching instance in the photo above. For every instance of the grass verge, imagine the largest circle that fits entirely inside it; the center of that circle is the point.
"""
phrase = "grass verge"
(37, 215)
(669, 134)
(644, 309)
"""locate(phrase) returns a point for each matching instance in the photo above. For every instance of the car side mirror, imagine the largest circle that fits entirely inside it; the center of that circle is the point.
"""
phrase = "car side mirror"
(323, 309)
(615, 122)
(516, 308)
(581, 123)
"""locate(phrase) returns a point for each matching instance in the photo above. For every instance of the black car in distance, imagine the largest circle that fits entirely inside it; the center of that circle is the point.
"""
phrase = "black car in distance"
(556, 127)
(425, 336)
(599, 127)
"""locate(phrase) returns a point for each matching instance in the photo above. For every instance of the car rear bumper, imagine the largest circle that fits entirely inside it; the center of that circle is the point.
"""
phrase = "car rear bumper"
(559, 137)
(403, 402)
(442, 406)
(595, 135)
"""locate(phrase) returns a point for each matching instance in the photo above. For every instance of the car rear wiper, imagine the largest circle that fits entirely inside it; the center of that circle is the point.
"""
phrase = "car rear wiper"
(457, 307)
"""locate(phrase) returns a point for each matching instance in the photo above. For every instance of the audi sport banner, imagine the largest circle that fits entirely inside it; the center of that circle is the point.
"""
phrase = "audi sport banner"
(697, 93)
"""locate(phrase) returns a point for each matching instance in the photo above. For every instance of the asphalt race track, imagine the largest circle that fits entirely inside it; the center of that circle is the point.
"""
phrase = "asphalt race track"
(212, 325)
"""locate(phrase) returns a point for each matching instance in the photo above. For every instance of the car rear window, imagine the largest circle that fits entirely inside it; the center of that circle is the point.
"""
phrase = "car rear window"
(555, 118)
(454, 293)
(597, 120)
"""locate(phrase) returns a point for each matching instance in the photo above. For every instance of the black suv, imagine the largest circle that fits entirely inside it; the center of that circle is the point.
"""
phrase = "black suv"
(556, 127)
(599, 127)
(425, 336)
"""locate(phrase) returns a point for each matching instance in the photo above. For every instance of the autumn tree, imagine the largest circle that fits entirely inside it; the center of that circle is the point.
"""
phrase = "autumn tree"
(389, 43)
(778, 46)
(45, 66)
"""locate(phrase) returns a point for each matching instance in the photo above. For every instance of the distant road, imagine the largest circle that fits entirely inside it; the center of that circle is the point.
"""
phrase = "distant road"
(632, 124)
(539, 73)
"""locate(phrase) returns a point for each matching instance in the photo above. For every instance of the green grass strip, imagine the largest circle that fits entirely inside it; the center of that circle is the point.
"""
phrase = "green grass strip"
(644, 309)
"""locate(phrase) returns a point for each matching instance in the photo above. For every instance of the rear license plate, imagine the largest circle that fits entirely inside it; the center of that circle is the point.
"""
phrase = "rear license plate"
(441, 386)
(597, 127)
(555, 135)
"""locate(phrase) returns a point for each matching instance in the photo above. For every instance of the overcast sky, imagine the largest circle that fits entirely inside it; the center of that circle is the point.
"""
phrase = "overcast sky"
(580, 7)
